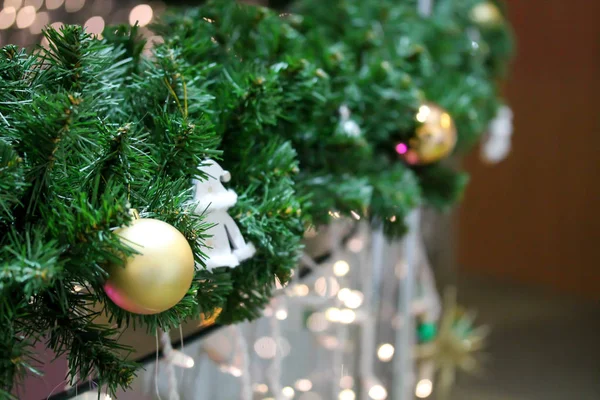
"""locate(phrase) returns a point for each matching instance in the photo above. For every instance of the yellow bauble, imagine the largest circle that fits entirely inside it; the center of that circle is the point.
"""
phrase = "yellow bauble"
(487, 14)
(157, 278)
(434, 140)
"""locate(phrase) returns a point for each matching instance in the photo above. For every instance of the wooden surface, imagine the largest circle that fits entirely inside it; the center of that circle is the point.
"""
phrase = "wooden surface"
(536, 217)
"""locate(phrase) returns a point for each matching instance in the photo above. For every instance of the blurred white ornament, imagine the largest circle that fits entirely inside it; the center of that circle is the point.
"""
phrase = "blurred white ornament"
(348, 126)
(497, 142)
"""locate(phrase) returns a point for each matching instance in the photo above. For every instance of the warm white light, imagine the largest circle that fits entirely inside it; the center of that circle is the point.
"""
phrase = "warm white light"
(393, 218)
(354, 299)
(355, 215)
(261, 388)
(37, 4)
(95, 25)
(333, 314)
(25, 17)
(355, 244)
(231, 370)
(344, 293)
(54, 4)
(424, 388)
(266, 347)
(72, 6)
(346, 382)
(288, 392)
(326, 286)
(347, 316)
(77, 288)
(341, 268)
(281, 315)
(303, 385)
(16, 4)
(377, 392)
(385, 352)
(317, 322)
(142, 14)
(41, 20)
(7, 17)
(423, 113)
(180, 359)
(301, 290)
(347, 394)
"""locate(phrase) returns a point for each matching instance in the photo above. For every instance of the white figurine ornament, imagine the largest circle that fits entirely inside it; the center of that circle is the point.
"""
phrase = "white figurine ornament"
(497, 142)
(226, 246)
(348, 126)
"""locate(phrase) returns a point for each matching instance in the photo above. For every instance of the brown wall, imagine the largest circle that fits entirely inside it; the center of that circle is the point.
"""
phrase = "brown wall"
(536, 217)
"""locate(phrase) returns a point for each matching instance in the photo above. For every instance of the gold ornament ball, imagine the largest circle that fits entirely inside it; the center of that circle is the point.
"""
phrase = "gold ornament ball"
(435, 138)
(487, 14)
(159, 276)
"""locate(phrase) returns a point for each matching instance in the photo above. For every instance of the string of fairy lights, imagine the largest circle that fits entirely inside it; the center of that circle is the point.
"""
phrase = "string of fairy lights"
(22, 21)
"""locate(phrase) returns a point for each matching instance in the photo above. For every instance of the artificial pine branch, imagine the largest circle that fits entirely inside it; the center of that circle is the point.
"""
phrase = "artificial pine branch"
(77, 152)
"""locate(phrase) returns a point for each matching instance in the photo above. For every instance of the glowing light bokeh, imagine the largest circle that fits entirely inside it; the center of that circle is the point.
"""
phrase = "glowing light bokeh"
(8, 16)
(261, 388)
(72, 6)
(424, 388)
(266, 347)
(303, 385)
(16, 4)
(378, 392)
(37, 4)
(288, 392)
(347, 316)
(346, 382)
(423, 114)
(385, 352)
(356, 244)
(401, 148)
(341, 268)
(142, 14)
(281, 315)
(54, 4)
(26, 17)
(95, 25)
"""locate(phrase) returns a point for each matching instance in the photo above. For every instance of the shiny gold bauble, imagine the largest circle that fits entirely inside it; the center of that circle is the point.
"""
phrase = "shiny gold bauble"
(159, 276)
(434, 139)
(487, 14)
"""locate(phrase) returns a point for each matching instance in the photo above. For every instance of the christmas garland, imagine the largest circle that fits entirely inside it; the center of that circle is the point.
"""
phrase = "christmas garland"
(306, 110)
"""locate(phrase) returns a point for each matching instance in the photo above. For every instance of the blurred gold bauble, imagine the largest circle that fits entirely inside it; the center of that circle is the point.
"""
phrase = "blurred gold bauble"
(434, 139)
(157, 278)
(487, 14)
